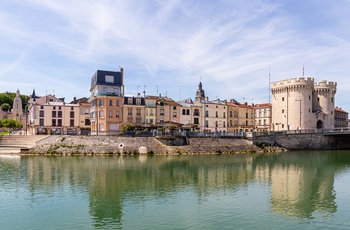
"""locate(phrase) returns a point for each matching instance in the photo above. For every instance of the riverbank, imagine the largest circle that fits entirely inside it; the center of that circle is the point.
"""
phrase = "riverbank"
(121, 145)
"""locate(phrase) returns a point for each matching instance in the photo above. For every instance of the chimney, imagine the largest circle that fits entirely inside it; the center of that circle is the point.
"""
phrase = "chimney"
(206, 99)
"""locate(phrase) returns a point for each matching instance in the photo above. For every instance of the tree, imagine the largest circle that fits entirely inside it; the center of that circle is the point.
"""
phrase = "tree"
(10, 123)
(128, 127)
(5, 107)
(5, 98)
(172, 127)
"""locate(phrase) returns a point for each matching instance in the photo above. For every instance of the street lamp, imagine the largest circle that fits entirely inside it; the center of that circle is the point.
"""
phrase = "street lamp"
(300, 113)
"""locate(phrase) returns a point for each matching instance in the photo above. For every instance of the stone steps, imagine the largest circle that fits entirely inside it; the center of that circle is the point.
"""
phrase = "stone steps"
(27, 141)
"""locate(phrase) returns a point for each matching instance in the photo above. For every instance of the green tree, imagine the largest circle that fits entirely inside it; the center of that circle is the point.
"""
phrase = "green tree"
(128, 127)
(5, 107)
(172, 127)
(10, 123)
(5, 98)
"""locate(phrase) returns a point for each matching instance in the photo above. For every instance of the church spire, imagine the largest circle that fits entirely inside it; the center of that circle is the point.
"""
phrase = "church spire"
(200, 94)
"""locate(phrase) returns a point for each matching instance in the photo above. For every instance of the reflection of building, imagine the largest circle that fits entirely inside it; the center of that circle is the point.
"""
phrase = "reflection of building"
(302, 104)
(106, 101)
(51, 115)
(300, 191)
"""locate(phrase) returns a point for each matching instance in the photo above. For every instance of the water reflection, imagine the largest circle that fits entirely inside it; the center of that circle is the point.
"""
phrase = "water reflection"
(301, 184)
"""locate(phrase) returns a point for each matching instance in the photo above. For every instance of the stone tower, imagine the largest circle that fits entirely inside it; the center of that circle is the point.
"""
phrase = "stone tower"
(17, 111)
(302, 104)
(200, 95)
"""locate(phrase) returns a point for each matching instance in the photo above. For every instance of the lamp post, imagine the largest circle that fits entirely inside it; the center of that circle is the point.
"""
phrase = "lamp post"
(299, 113)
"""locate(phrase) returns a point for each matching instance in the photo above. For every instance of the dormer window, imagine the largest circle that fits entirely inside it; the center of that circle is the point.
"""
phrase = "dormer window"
(109, 79)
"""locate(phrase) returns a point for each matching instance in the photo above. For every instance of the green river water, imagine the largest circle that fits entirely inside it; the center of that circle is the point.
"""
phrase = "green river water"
(292, 190)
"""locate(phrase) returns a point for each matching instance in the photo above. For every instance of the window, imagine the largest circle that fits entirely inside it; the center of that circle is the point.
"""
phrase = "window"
(183, 112)
(54, 107)
(110, 102)
(282, 98)
(174, 114)
(41, 113)
(138, 101)
(109, 79)
(102, 114)
(187, 112)
(224, 124)
(161, 121)
(282, 125)
(246, 123)
(71, 115)
(71, 108)
(264, 122)
(53, 122)
(196, 112)
(224, 114)
(117, 114)
(174, 107)
(332, 100)
(206, 124)
(129, 101)
(196, 121)
(162, 112)
(41, 122)
(87, 111)
(59, 122)
(110, 113)
(138, 112)
(282, 110)
(71, 122)
(216, 124)
(53, 113)
(130, 112)
(231, 113)
(41, 107)
(216, 114)
(309, 97)
(59, 114)
(206, 113)
(246, 115)
(59, 108)
(87, 122)
(259, 122)
(161, 103)
(102, 102)
(102, 127)
(117, 103)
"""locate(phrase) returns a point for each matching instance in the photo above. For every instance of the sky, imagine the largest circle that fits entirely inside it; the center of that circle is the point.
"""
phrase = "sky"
(234, 47)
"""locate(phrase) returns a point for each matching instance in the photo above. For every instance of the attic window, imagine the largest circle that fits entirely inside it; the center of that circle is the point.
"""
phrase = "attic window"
(109, 79)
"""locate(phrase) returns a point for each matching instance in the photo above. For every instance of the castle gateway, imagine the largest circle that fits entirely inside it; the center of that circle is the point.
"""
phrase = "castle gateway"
(301, 104)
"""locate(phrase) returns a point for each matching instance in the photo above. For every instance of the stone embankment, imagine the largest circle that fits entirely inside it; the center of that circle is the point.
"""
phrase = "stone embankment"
(86, 145)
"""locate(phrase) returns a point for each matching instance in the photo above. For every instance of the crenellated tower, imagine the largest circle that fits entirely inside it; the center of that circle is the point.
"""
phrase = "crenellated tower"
(300, 103)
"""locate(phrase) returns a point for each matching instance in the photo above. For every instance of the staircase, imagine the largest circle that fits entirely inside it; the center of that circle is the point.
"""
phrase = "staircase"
(18, 142)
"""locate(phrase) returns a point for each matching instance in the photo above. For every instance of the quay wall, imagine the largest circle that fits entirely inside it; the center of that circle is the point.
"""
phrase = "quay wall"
(300, 141)
(70, 145)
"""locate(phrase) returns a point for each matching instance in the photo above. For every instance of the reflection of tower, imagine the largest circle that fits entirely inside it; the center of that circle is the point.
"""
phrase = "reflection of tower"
(200, 95)
(299, 190)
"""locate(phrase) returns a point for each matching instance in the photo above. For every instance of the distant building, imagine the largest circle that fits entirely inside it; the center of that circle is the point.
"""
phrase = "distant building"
(240, 117)
(134, 111)
(263, 117)
(302, 104)
(84, 115)
(106, 101)
(51, 115)
(341, 118)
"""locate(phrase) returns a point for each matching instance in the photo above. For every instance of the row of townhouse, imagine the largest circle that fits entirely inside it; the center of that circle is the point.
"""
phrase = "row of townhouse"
(108, 110)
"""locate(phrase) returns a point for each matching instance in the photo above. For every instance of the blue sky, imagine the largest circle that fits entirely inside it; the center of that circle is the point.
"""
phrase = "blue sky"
(169, 45)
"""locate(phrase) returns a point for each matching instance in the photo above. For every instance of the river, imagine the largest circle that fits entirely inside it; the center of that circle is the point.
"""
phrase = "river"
(291, 190)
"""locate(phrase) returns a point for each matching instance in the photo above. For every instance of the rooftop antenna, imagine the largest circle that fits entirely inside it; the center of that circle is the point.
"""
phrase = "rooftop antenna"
(138, 90)
(303, 70)
(166, 93)
(144, 90)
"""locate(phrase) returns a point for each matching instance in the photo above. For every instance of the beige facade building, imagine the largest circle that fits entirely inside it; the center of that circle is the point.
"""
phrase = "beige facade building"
(302, 104)
(151, 111)
(168, 112)
(341, 118)
(106, 102)
(241, 117)
(263, 113)
(51, 115)
(134, 111)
